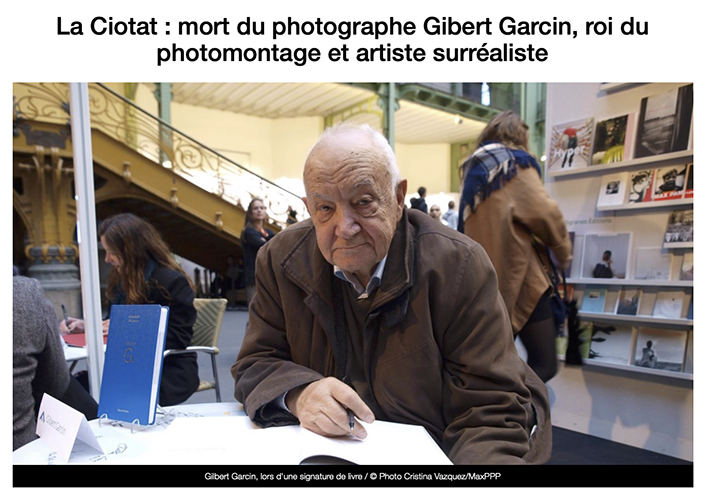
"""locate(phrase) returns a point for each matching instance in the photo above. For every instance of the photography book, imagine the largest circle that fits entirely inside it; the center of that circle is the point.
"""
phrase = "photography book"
(664, 122)
(680, 229)
(571, 145)
(614, 139)
(687, 270)
(668, 304)
(660, 349)
(689, 186)
(594, 299)
(612, 190)
(652, 264)
(640, 186)
(612, 344)
(133, 365)
(628, 301)
(668, 182)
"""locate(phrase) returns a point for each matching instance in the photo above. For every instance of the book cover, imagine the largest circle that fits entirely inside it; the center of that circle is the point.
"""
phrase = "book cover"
(78, 339)
(664, 122)
(687, 270)
(668, 304)
(660, 349)
(680, 229)
(613, 140)
(571, 145)
(611, 344)
(612, 190)
(652, 264)
(594, 299)
(133, 363)
(689, 356)
(628, 301)
(668, 182)
(689, 186)
(640, 186)
(606, 255)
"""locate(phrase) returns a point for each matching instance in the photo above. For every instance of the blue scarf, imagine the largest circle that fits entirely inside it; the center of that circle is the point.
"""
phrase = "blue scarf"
(490, 167)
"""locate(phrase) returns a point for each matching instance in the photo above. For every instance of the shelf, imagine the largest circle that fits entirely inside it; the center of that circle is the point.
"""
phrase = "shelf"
(612, 87)
(678, 245)
(642, 370)
(601, 168)
(645, 205)
(676, 323)
(623, 281)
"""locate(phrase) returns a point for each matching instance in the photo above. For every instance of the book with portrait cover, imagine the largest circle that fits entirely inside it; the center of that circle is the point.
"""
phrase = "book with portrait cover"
(640, 186)
(571, 145)
(668, 182)
(133, 365)
(664, 122)
(661, 349)
(614, 139)
(612, 191)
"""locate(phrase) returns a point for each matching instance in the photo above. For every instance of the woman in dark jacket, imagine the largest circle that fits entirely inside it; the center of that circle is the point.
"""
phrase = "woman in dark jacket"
(253, 237)
(145, 272)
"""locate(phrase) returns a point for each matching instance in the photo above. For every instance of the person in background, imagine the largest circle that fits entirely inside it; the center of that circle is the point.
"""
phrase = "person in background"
(371, 307)
(253, 236)
(604, 269)
(420, 202)
(145, 272)
(451, 216)
(507, 210)
(38, 363)
(436, 215)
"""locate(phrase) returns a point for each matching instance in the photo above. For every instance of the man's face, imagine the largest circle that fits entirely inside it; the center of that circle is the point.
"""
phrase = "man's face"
(435, 212)
(352, 202)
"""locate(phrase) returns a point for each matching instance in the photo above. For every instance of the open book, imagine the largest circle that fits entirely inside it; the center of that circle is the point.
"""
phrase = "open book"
(237, 440)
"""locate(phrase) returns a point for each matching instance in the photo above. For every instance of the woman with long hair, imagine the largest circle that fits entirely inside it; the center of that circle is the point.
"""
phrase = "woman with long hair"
(253, 236)
(506, 209)
(145, 272)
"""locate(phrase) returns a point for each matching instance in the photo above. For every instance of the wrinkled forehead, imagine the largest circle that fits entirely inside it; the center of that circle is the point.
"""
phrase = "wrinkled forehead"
(350, 158)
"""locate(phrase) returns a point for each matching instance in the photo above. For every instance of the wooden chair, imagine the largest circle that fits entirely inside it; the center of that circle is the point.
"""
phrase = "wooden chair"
(210, 314)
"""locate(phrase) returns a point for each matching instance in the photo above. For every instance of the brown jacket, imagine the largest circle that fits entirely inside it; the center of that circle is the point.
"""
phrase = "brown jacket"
(503, 224)
(438, 344)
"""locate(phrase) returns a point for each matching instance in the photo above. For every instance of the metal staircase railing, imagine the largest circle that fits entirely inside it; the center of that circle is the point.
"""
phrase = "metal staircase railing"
(161, 143)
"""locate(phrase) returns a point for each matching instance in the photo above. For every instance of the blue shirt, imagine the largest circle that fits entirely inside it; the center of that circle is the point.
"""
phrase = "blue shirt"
(374, 282)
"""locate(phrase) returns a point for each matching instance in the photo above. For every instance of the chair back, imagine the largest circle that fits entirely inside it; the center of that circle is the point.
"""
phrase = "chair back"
(210, 313)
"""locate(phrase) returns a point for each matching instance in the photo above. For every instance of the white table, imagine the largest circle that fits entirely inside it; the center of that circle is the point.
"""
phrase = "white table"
(120, 442)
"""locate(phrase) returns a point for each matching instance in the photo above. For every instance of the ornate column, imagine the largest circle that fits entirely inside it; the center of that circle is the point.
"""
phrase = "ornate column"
(52, 250)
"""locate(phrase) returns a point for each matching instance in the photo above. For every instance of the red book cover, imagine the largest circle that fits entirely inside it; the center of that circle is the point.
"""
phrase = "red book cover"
(78, 339)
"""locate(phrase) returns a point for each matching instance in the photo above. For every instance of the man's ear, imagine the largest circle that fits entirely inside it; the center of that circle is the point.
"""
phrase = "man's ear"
(305, 200)
(401, 194)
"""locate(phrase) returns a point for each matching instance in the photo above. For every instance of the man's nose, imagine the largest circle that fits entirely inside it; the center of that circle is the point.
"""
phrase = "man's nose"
(347, 226)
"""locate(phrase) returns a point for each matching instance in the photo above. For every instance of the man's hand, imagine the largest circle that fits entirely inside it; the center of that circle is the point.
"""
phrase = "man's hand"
(322, 407)
(75, 325)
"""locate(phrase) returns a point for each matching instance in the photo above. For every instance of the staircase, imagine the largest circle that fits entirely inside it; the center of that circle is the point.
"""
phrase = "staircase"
(192, 194)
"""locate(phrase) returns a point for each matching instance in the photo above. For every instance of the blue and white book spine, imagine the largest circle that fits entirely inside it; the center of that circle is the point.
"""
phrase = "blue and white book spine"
(132, 369)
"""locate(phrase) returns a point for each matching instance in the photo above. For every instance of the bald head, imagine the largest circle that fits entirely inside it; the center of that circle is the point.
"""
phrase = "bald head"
(355, 197)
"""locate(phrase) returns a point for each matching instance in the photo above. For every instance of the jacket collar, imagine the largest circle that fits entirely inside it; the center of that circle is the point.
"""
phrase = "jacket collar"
(307, 268)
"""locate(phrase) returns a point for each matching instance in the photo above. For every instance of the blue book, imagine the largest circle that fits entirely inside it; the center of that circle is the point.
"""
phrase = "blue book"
(594, 299)
(133, 365)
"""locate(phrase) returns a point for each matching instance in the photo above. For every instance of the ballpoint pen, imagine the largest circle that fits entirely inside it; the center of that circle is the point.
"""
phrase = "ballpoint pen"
(66, 318)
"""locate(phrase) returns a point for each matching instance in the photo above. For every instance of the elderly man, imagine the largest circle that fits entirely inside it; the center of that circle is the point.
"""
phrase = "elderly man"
(370, 307)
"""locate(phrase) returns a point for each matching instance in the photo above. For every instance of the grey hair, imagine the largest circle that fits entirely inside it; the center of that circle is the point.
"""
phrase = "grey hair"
(375, 136)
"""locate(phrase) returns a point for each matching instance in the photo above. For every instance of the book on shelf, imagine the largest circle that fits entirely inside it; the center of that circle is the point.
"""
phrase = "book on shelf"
(660, 349)
(613, 189)
(664, 122)
(614, 139)
(652, 264)
(687, 270)
(689, 186)
(668, 304)
(577, 243)
(680, 229)
(571, 145)
(612, 344)
(628, 301)
(133, 365)
(640, 186)
(594, 299)
(668, 182)
(689, 355)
